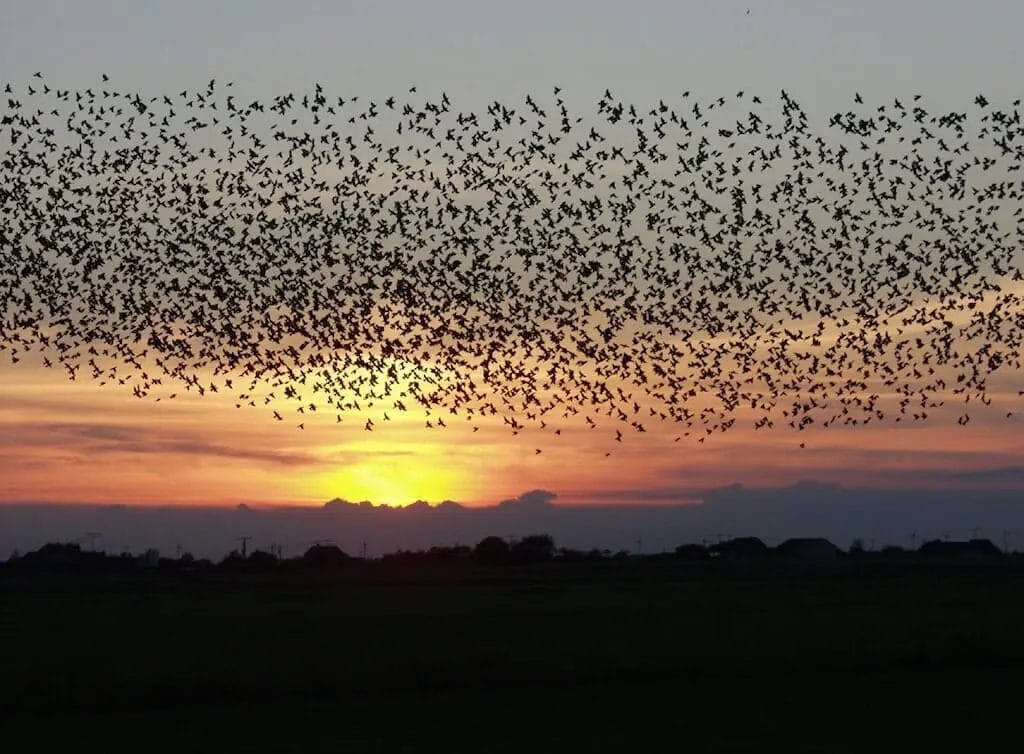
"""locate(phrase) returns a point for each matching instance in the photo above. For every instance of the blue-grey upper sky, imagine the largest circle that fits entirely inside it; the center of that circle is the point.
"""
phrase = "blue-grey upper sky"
(819, 49)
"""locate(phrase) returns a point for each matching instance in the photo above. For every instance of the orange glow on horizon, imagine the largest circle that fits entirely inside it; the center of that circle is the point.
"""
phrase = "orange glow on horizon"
(66, 441)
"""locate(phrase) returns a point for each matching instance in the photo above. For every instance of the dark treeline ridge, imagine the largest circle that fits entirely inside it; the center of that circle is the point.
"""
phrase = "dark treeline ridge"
(498, 552)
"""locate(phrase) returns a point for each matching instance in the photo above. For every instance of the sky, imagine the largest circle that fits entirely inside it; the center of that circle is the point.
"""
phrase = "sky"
(63, 442)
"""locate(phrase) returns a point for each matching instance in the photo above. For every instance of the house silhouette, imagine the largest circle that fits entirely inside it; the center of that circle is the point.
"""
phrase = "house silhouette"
(739, 548)
(808, 548)
(972, 549)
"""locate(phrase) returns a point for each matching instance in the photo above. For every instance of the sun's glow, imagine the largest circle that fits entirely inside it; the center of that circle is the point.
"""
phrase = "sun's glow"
(396, 480)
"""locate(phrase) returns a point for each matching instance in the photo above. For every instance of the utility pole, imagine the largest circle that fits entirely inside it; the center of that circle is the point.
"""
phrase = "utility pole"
(974, 532)
(364, 550)
(92, 536)
(245, 543)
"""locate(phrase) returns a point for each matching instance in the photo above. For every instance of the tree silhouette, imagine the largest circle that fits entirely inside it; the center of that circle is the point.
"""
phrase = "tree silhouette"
(491, 550)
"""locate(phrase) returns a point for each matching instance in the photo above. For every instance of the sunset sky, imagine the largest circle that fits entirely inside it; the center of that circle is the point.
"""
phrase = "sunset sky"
(63, 441)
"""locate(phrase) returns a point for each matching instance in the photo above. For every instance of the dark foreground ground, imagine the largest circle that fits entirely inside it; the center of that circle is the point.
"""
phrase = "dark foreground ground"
(544, 659)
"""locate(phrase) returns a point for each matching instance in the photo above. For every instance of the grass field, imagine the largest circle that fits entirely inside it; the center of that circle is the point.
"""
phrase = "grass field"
(550, 658)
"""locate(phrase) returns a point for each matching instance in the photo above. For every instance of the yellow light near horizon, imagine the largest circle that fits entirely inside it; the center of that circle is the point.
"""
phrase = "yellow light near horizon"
(393, 481)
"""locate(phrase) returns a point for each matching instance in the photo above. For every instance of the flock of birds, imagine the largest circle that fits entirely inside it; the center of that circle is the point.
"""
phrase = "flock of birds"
(694, 262)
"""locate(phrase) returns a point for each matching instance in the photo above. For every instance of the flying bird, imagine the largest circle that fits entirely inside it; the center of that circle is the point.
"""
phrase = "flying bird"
(704, 264)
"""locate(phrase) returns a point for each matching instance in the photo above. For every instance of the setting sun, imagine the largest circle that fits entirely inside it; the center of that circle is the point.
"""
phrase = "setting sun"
(397, 480)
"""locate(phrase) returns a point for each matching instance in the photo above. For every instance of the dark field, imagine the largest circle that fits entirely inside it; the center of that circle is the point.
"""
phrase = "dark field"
(624, 657)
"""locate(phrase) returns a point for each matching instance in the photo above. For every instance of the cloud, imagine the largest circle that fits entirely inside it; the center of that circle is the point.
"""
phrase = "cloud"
(1000, 474)
(81, 402)
(667, 495)
(531, 499)
(101, 439)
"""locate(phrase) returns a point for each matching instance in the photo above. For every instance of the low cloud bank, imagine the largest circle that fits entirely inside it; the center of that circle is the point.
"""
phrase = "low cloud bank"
(773, 514)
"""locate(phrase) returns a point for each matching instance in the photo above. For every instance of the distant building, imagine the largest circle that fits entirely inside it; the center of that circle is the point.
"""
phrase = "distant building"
(691, 552)
(808, 548)
(973, 549)
(894, 551)
(740, 548)
(325, 556)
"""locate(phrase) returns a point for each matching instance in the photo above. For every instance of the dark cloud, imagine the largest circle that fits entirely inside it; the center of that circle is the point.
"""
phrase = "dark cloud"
(812, 509)
(531, 499)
